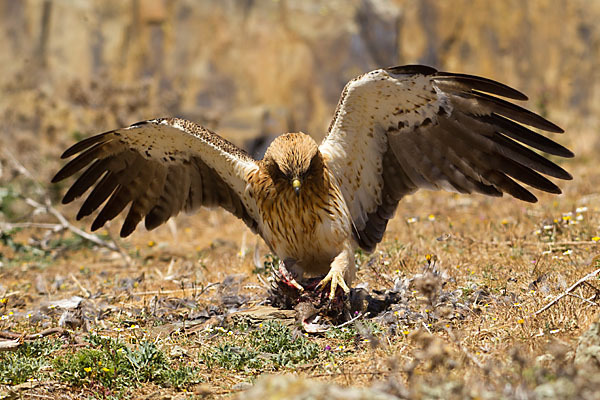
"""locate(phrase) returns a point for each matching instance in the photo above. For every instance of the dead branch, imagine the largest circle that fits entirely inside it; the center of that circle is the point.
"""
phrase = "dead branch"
(47, 208)
(569, 290)
(351, 321)
(32, 336)
(23, 171)
(10, 345)
(572, 243)
(356, 373)
(160, 292)
(39, 225)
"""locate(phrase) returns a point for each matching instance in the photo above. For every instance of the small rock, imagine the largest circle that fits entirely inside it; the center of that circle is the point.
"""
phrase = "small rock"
(66, 304)
(178, 351)
(587, 355)
(40, 284)
(562, 388)
(242, 386)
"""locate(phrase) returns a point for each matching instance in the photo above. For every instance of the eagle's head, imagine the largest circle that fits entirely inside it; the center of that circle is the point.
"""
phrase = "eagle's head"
(293, 159)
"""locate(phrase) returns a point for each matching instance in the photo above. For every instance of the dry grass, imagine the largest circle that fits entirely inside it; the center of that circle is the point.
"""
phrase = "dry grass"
(516, 257)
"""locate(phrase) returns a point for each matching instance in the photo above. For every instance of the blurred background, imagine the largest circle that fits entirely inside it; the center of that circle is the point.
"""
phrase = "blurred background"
(252, 69)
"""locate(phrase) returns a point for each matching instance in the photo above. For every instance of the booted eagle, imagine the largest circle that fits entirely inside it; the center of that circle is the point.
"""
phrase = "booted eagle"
(395, 130)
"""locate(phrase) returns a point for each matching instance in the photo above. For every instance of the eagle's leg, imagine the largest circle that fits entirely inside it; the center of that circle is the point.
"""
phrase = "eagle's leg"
(341, 273)
(287, 276)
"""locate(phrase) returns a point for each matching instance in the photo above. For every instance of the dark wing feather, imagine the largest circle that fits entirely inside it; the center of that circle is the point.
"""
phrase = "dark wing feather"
(159, 168)
(420, 128)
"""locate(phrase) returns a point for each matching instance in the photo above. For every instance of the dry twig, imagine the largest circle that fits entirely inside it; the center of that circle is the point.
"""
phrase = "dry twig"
(47, 208)
(360, 315)
(589, 301)
(10, 345)
(86, 291)
(567, 292)
(32, 336)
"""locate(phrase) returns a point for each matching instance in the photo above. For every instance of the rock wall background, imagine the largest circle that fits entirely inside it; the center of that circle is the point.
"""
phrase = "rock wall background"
(250, 67)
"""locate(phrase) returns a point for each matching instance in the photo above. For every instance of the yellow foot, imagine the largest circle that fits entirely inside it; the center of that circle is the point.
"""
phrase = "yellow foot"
(337, 279)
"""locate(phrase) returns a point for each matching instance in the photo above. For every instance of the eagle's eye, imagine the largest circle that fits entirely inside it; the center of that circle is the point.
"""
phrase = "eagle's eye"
(279, 172)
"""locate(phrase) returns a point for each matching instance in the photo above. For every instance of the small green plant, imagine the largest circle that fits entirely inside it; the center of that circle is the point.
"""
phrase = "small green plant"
(19, 253)
(345, 334)
(182, 377)
(7, 199)
(233, 357)
(360, 257)
(27, 361)
(77, 135)
(348, 334)
(466, 292)
(147, 362)
(276, 339)
(72, 242)
(270, 346)
(116, 366)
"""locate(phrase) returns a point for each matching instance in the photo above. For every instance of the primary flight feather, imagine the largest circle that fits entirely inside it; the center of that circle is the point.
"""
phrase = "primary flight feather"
(395, 130)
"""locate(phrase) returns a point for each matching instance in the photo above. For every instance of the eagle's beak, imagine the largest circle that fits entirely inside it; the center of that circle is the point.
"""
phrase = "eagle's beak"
(296, 185)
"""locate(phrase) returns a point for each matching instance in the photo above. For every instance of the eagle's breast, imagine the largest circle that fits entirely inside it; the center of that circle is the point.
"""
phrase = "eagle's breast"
(310, 227)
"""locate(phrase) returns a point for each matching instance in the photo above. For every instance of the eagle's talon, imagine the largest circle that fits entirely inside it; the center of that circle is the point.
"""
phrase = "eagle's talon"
(288, 278)
(335, 278)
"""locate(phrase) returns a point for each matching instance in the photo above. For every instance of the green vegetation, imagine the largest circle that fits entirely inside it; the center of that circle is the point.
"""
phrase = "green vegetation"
(116, 366)
(7, 199)
(27, 362)
(271, 346)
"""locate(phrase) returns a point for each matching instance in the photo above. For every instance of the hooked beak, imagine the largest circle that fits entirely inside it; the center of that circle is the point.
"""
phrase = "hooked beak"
(296, 184)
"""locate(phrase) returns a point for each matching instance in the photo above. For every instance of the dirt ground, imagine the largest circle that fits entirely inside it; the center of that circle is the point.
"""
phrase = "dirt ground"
(496, 262)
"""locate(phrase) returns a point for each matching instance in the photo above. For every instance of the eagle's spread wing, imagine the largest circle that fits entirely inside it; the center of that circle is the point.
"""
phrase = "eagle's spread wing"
(399, 129)
(161, 167)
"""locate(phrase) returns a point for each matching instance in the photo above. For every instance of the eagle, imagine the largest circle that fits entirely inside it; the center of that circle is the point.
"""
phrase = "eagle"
(395, 130)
